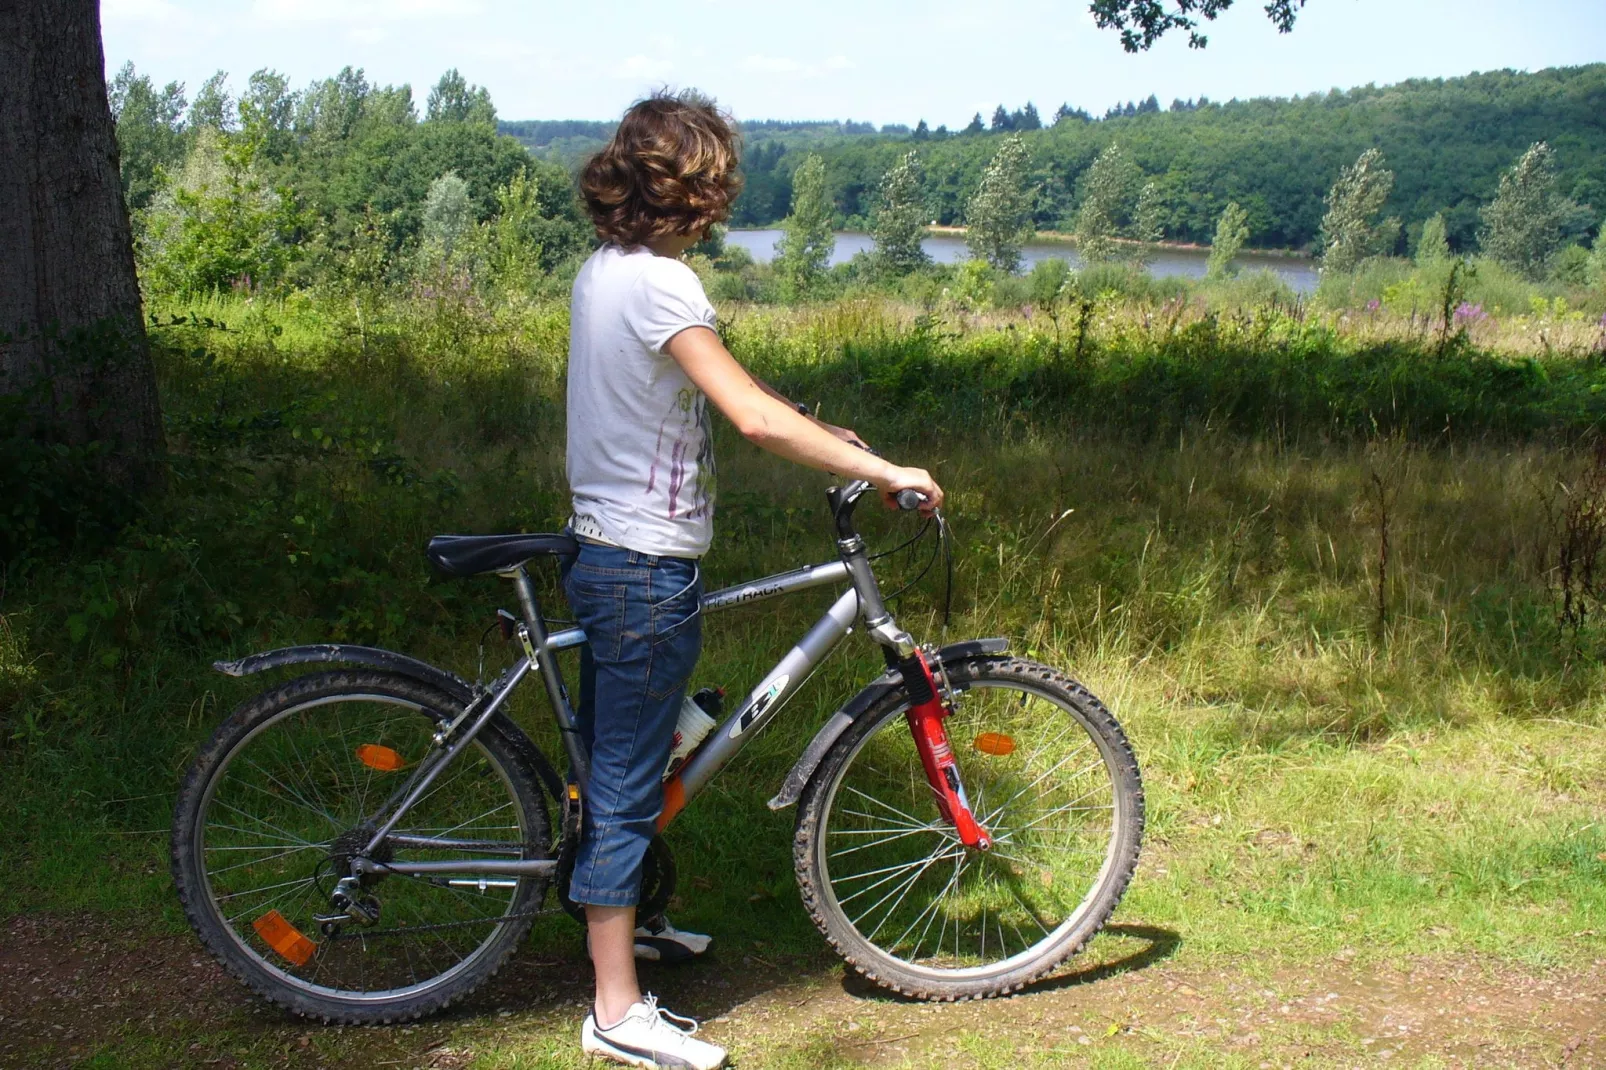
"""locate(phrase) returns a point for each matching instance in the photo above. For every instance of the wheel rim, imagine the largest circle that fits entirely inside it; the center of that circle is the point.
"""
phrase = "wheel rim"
(294, 788)
(914, 895)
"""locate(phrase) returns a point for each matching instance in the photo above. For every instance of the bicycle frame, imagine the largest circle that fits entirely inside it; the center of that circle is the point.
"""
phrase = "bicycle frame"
(540, 655)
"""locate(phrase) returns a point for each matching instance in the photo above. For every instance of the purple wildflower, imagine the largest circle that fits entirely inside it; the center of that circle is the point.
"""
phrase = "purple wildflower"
(1373, 305)
(1466, 313)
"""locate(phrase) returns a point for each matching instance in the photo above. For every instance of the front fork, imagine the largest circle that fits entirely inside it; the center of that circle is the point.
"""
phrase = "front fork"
(925, 716)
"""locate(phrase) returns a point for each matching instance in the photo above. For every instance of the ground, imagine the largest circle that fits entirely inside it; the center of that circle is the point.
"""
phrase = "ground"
(101, 991)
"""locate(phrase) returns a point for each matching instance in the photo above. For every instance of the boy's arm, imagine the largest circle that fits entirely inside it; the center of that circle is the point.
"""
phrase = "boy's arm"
(771, 422)
(850, 437)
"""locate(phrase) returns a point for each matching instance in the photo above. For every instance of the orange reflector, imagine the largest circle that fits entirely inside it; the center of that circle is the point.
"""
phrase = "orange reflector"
(283, 938)
(995, 743)
(381, 758)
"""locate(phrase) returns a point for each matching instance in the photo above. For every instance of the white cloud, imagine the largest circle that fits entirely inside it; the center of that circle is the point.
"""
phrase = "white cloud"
(785, 65)
(639, 68)
(771, 65)
(363, 11)
(138, 11)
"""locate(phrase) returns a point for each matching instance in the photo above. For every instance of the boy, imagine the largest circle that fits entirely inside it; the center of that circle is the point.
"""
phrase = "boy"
(644, 362)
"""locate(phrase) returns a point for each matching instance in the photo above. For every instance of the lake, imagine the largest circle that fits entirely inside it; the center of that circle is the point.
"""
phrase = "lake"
(1300, 274)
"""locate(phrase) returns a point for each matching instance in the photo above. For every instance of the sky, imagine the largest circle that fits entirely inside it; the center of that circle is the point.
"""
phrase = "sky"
(885, 61)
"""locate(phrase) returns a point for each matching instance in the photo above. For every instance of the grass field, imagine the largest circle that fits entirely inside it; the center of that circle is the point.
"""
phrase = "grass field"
(1351, 764)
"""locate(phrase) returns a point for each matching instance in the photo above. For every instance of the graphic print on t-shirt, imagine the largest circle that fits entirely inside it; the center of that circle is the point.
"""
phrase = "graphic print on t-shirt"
(685, 427)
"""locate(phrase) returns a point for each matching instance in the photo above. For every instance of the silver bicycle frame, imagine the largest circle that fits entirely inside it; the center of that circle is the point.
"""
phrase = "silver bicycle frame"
(541, 648)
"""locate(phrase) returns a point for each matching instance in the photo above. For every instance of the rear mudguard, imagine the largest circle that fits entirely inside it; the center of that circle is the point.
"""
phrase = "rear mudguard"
(858, 705)
(375, 658)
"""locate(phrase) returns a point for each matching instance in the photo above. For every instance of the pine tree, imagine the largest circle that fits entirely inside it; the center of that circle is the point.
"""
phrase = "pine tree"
(922, 131)
(1348, 234)
(999, 215)
(1001, 119)
(900, 217)
(1232, 230)
(806, 247)
(1522, 226)
(1027, 118)
(1106, 195)
(975, 126)
(1433, 247)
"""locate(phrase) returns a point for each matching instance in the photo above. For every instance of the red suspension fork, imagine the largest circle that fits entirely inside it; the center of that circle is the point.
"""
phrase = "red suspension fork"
(925, 716)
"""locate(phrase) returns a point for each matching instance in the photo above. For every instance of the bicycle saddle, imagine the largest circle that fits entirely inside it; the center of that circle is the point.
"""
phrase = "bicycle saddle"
(472, 555)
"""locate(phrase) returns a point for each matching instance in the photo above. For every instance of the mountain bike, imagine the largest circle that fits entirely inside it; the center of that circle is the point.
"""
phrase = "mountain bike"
(368, 844)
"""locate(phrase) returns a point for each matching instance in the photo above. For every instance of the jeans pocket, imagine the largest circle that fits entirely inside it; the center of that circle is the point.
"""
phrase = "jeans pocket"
(677, 637)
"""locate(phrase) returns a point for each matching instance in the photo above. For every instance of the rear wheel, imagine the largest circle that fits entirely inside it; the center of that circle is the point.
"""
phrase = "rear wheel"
(290, 789)
(1048, 773)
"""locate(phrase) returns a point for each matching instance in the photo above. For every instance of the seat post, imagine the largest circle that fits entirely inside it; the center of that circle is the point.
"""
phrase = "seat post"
(557, 694)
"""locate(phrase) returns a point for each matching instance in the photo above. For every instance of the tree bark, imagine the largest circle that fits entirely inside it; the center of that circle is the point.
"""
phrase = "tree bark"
(72, 338)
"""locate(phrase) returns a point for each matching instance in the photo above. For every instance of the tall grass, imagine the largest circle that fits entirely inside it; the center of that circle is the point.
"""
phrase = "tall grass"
(1184, 509)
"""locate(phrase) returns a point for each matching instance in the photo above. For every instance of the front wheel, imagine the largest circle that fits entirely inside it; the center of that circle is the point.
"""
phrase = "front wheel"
(1052, 778)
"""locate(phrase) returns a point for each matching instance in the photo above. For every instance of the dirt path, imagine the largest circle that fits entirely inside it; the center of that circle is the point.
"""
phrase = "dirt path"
(82, 991)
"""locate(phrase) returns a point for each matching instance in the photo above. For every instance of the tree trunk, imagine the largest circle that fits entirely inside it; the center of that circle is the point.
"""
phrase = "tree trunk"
(72, 338)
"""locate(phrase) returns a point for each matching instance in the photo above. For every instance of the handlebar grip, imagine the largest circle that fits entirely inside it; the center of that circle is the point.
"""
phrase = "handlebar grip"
(910, 500)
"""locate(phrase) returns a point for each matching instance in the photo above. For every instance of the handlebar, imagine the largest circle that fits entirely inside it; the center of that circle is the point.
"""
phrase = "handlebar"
(844, 499)
(909, 500)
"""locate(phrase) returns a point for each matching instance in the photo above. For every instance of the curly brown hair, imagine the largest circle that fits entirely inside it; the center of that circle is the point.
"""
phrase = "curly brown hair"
(669, 169)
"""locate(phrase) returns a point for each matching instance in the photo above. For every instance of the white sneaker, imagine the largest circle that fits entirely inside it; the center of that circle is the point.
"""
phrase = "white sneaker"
(651, 1037)
(659, 941)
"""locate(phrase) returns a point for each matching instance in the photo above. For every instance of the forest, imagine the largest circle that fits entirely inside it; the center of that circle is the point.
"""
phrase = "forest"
(1448, 140)
(1448, 137)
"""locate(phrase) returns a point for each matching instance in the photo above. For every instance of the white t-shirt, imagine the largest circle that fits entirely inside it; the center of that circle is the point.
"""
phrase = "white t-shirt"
(640, 459)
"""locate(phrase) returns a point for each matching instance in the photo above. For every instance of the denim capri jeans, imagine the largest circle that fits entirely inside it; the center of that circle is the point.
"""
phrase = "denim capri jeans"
(642, 615)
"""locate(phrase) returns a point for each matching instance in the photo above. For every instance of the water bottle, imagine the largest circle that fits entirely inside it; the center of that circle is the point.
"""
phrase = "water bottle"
(698, 715)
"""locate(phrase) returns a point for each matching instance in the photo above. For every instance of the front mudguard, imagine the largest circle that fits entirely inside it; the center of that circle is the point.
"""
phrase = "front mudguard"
(857, 706)
(372, 657)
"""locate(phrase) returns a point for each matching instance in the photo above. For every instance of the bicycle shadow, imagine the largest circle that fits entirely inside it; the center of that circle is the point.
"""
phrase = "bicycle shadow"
(1160, 944)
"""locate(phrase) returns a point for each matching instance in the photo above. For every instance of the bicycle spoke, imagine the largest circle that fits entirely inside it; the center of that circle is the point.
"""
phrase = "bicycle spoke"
(875, 843)
(290, 837)
(1049, 772)
(914, 822)
(259, 908)
(260, 861)
(893, 871)
(909, 883)
(936, 903)
(294, 795)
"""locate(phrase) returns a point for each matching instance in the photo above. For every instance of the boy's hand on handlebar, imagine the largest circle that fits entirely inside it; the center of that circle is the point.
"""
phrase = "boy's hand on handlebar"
(915, 479)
